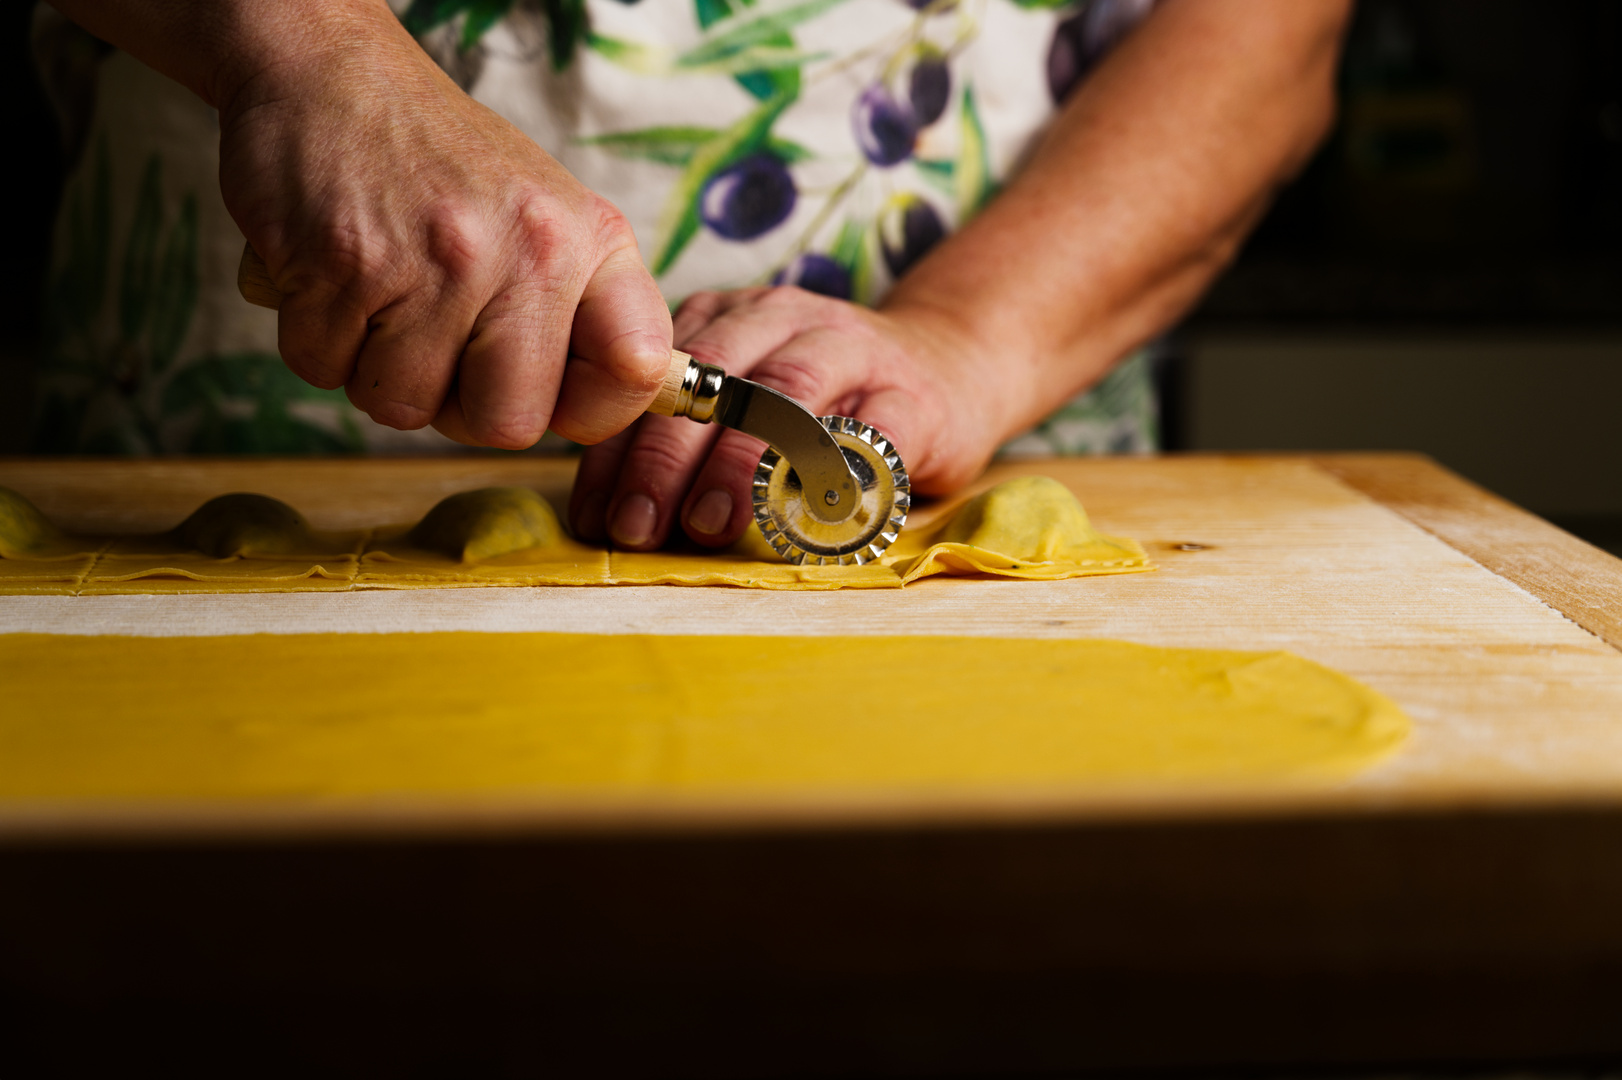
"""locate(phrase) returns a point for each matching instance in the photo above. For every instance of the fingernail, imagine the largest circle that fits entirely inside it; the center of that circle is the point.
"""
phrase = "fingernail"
(589, 521)
(711, 513)
(634, 521)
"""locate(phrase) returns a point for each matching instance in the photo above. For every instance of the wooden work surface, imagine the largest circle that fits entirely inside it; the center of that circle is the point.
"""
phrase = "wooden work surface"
(1457, 901)
(1496, 632)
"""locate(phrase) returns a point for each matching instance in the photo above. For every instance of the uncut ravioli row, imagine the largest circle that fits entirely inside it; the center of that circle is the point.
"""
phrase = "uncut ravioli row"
(1031, 527)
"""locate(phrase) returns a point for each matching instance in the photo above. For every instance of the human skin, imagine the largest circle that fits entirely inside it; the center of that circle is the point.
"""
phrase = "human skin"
(434, 261)
(444, 269)
(1140, 193)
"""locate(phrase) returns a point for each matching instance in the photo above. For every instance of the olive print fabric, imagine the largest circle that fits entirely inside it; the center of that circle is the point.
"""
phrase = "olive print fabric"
(823, 143)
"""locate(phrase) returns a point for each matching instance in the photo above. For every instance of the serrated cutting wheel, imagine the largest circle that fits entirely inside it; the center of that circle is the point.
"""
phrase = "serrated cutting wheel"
(798, 536)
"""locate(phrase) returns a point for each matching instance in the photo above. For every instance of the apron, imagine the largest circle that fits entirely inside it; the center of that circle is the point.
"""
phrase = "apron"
(823, 143)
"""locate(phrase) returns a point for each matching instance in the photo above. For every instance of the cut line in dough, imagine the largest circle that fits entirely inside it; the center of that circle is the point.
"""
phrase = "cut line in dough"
(1031, 527)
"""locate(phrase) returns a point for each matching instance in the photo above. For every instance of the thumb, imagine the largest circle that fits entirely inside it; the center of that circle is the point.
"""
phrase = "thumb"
(937, 460)
(618, 353)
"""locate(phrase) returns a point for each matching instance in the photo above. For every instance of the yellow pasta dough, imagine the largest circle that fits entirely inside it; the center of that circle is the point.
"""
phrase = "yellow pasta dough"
(580, 715)
(1029, 528)
(26, 535)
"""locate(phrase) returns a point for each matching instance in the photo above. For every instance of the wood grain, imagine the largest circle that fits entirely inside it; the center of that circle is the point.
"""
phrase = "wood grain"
(1513, 703)
(1456, 903)
(1575, 578)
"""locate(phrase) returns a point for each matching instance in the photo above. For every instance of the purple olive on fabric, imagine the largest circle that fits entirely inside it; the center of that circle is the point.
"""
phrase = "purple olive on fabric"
(1081, 41)
(886, 129)
(748, 198)
(818, 274)
(929, 86)
(908, 228)
(919, 5)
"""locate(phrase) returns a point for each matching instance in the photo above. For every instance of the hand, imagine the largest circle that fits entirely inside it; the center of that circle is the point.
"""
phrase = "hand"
(435, 262)
(911, 374)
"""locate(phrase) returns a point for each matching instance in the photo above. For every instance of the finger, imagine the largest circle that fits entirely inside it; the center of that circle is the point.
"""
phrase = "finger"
(702, 308)
(693, 315)
(406, 366)
(594, 484)
(450, 422)
(657, 469)
(719, 507)
(921, 433)
(748, 328)
(816, 369)
(320, 332)
(618, 352)
(510, 371)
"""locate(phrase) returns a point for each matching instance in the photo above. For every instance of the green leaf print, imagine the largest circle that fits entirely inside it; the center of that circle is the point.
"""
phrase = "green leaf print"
(941, 175)
(973, 180)
(114, 381)
(676, 145)
(481, 16)
(175, 295)
(761, 35)
(77, 293)
(710, 12)
(565, 21)
(424, 15)
(141, 254)
(244, 403)
(478, 16)
(853, 251)
(861, 279)
(567, 27)
(762, 83)
(633, 56)
(681, 209)
(661, 62)
(847, 248)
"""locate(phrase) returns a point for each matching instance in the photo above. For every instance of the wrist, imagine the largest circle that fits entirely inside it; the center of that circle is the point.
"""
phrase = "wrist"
(272, 51)
(994, 373)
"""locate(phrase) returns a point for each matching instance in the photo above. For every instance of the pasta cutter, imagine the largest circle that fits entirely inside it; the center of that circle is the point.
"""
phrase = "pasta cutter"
(828, 491)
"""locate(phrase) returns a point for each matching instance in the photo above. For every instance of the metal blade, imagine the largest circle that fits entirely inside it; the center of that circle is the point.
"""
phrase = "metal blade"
(825, 477)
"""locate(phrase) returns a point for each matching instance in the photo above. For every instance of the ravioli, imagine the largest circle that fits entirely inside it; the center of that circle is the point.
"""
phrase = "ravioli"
(1031, 527)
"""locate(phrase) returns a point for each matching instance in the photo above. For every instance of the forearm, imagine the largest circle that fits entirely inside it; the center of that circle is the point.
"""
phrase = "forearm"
(1140, 194)
(213, 47)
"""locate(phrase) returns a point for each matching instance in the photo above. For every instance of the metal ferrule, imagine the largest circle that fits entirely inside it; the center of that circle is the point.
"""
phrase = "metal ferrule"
(700, 391)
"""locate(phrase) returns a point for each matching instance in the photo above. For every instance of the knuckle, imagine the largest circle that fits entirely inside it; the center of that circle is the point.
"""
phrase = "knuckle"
(628, 364)
(507, 432)
(702, 304)
(310, 355)
(796, 378)
(543, 238)
(400, 414)
(655, 456)
(324, 374)
(609, 225)
(737, 453)
(539, 231)
(454, 239)
(343, 255)
(778, 297)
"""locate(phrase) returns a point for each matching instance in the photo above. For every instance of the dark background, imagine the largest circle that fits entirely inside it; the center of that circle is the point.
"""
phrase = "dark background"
(1445, 276)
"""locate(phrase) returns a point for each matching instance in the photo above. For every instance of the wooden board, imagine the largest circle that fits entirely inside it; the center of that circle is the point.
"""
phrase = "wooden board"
(1512, 700)
(1457, 902)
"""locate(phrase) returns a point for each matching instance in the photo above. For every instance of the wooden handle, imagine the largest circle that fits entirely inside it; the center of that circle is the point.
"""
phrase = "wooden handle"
(253, 282)
(665, 403)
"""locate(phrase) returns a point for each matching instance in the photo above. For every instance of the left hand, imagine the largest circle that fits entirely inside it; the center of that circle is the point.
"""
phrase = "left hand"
(911, 374)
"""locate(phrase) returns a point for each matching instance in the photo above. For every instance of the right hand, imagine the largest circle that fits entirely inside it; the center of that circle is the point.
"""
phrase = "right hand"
(434, 261)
